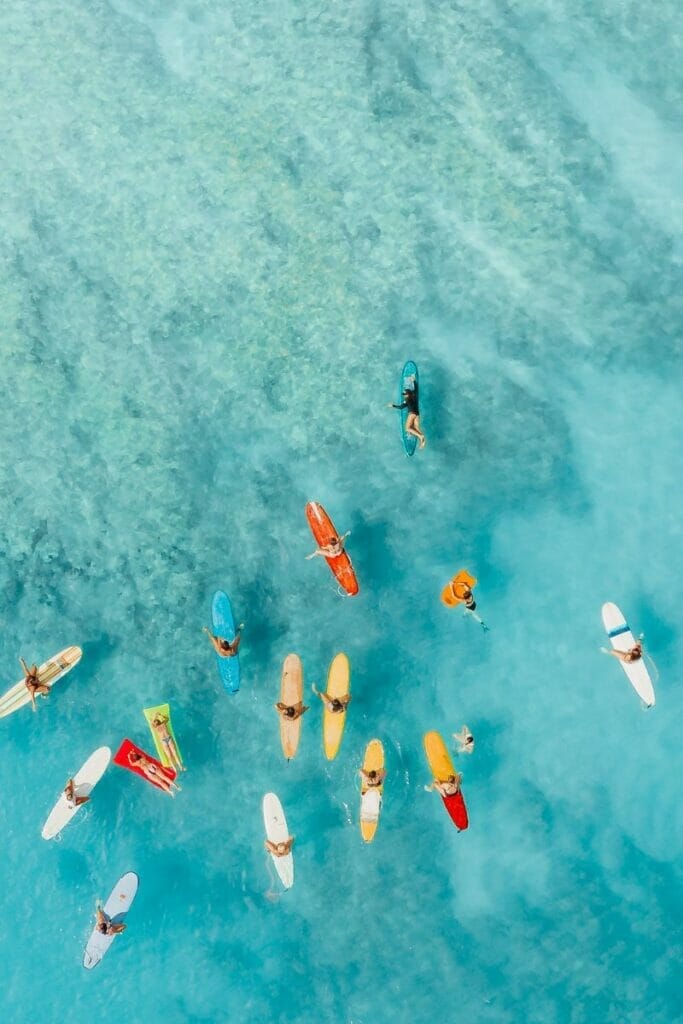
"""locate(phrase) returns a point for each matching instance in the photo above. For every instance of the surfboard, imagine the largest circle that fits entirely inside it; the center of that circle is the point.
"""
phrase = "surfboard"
(277, 831)
(371, 798)
(409, 371)
(49, 672)
(291, 692)
(85, 780)
(622, 639)
(448, 596)
(121, 759)
(164, 711)
(224, 627)
(116, 908)
(338, 685)
(441, 767)
(324, 531)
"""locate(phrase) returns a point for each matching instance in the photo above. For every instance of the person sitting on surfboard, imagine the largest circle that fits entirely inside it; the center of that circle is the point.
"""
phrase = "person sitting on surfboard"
(448, 788)
(70, 794)
(279, 849)
(635, 654)
(373, 778)
(160, 726)
(105, 925)
(151, 772)
(411, 402)
(335, 705)
(225, 648)
(292, 711)
(465, 739)
(32, 682)
(333, 549)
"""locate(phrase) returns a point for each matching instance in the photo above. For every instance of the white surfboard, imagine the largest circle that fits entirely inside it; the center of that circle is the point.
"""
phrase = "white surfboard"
(116, 908)
(49, 672)
(622, 639)
(85, 780)
(277, 831)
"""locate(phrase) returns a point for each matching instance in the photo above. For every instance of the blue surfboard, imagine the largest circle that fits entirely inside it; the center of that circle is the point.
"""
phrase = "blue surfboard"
(224, 627)
(409, 371)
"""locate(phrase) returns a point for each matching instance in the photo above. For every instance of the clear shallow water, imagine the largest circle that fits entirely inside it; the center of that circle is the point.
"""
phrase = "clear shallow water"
(225, 228)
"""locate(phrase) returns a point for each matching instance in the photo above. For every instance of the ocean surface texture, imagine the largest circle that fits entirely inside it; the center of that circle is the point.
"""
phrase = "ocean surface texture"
(225, 227)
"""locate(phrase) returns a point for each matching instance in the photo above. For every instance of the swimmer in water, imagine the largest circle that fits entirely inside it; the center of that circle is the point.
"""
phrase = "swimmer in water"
(465, 740)
(411, 402)
(291, 711)
(225, 648)
(160, 727)
(335, 705)
(279, 849)
(333, 549)
(151, 772)
(33, 683)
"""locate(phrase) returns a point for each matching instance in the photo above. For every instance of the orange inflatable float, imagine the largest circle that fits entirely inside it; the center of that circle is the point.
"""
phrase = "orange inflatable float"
(454, 591)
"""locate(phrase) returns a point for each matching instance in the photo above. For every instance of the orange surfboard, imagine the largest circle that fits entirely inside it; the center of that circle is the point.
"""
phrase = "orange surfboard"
(324, 532)
(451, 594)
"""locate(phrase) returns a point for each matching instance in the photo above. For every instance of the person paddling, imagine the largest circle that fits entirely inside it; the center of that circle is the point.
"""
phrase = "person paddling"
(225, 648)
(104, 924)
(465, 740)
(634, 654)
(372, 779)
(151, 772)
(291, 711)
(333, 549)
(70, 793)
(335, 705)
(32, 682)
(279, 849)
(411, 402)
(450, 787)
(160, 726)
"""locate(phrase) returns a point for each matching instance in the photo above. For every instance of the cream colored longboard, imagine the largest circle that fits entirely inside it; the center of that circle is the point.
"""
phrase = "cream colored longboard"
(277, 831)
(85, 780)
(291, 692)
(49, 672)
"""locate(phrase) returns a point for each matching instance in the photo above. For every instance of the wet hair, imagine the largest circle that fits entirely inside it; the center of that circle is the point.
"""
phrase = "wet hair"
(133, 755)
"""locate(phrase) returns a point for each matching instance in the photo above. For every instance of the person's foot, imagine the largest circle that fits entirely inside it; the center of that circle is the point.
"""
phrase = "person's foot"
(423, 442)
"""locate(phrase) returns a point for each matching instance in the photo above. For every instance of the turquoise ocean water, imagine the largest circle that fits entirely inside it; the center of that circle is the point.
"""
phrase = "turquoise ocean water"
(225, 228)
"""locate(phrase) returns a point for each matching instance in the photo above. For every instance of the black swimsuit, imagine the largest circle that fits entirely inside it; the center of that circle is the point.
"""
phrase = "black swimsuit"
(410, 402)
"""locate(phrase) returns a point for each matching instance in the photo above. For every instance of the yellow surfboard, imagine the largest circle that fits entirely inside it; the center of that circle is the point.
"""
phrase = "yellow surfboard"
(371, 796)
(338, 685)
(291, 692)
(451, 593)
(438, 757)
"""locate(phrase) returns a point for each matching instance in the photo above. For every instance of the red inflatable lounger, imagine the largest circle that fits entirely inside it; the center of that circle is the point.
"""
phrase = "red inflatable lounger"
(121, 759)
(324, 531)
(455, 805)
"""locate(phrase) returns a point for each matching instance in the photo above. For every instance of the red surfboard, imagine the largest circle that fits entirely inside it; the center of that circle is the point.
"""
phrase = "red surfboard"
(121, 759)
(324, 531)
(455, 805)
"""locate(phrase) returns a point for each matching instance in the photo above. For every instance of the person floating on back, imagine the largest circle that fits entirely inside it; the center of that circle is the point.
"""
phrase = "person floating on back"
(151, 772)
(465, 740)
(32, 682)
(335, 705)
(225, 648)
(160, 725)
(279, 849)
(331, 550)
(411, 402)
(291, 711)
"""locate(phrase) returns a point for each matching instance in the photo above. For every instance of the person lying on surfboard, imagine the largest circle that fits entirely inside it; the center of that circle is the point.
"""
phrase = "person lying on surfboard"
(151, 772)
(448, 788)
(373, 778)
(33, 683)
(279, 849)
(465, 739)
(332, 550)
(225, 648)
(635, 654)
(160, 726)
(411, 403)
(104, 924)
(70, 794)
(335, 705)
(292, 711)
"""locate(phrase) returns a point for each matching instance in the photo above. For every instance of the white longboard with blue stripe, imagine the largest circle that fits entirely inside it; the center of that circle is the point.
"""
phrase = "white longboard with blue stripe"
(622, 639)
